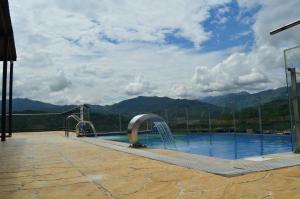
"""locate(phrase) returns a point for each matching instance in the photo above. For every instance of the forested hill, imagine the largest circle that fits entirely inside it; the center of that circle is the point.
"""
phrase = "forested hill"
(130, 107)
(244, 99)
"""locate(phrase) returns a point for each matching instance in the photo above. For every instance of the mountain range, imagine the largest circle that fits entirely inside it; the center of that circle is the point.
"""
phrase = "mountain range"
(163, 105)
(130, 107)
(244, 99)
(175, 112)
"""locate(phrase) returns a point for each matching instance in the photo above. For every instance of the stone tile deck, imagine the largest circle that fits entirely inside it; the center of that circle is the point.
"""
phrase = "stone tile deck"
(214, 165)
(48, 165)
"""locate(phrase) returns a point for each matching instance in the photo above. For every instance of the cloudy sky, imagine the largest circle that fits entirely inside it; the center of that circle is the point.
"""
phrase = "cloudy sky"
(105, 51)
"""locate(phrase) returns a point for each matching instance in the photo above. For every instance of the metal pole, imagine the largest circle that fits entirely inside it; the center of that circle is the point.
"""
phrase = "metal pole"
(209, 128)
(167, 117)
(120, 122)
(259, 119)
(233, 115)
(234, 129)
(209, 121)
(65, 126)
(287, 88)
(4, 81)
(235, 147)
(88, 115)
(81, 113)
(234, 124)
(3, 116)
(11, 71)
(260, 130)
(288, 26)
(187, 119)
(295, 107)
(148, 126)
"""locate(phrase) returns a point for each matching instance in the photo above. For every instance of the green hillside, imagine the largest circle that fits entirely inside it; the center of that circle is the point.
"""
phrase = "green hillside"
(181, 114)
(166, 107)
(244, 99)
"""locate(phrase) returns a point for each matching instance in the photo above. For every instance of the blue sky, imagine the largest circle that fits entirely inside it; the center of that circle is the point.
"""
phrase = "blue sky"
(236, 30)
(229, 27)
(102, 51)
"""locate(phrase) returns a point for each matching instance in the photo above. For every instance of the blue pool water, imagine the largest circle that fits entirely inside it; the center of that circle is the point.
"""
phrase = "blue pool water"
(221, 145)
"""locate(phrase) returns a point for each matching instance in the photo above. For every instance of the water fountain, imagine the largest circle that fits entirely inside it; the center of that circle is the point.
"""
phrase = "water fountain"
(160, 126)
(165, 134)
(83, 127)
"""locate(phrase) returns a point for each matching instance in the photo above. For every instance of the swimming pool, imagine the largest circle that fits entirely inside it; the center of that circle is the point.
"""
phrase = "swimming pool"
(221, 145)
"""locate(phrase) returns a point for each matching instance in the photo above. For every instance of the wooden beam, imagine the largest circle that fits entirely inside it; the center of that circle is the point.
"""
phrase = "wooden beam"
(6, 30)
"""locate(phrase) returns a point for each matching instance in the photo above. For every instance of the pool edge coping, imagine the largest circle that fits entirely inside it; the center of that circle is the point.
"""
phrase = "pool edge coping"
(223, 167)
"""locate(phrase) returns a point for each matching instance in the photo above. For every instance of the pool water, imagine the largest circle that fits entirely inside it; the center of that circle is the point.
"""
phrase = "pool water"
(221, 145)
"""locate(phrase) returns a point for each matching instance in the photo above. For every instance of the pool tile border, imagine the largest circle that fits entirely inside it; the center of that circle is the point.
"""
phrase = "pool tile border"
(213, 165)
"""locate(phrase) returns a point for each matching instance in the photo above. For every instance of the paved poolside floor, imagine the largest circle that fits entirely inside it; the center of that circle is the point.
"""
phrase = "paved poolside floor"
(48, 165)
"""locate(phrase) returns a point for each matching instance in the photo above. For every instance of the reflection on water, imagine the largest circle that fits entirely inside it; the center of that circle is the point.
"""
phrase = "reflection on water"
(221, 145)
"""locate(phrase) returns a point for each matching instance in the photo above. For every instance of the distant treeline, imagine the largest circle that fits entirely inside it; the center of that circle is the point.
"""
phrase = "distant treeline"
(274, 115)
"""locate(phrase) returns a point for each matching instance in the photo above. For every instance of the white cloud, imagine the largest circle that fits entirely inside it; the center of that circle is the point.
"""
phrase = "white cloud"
(274, 14)
(139, 87)
(263, 66)
(60, 83)
(220, 17)
(183, 91)
(241, 34)
(100, 45)
(248, 4)
(254, 77)
(240, 71)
